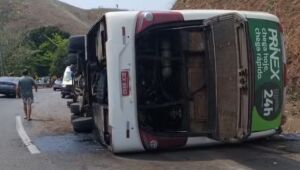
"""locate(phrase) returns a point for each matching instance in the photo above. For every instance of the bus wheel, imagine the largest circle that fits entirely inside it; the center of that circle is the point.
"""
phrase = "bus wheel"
(69, 103)
(82, 124)
(74, 98)
(75, 108)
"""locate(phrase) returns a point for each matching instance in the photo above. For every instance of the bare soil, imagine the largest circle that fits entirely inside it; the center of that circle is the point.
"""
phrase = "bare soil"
(292, 114)
(289, 14)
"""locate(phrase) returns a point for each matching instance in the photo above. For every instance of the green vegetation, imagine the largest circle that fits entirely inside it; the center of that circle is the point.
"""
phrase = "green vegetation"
(22, 45)
(42, 51)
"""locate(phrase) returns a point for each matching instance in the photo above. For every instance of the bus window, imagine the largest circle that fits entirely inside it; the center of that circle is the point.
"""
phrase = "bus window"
(100, 43)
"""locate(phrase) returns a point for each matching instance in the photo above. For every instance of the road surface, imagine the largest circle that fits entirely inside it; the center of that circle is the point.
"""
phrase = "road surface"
(59, 148)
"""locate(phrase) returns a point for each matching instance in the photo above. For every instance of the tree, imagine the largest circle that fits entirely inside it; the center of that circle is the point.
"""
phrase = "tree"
(59, 56)
(41, 51)
(51, 44)
(13, 52)
(38, 36)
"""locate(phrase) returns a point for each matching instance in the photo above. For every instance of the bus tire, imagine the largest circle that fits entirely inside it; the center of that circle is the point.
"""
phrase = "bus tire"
(69, 103)
(75, 108)
(82, 124)
(73, 117)
(74, 98)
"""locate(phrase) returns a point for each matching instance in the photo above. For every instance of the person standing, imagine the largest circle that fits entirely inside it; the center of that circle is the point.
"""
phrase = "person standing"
(25, 85)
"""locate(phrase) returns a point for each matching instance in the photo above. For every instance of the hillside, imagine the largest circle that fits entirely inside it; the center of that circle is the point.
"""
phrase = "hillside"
(289, 15)
(287, 11)
(28, 14)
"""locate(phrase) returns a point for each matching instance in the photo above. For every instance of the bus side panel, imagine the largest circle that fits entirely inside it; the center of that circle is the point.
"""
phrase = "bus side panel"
(268, 71)
(120, 49)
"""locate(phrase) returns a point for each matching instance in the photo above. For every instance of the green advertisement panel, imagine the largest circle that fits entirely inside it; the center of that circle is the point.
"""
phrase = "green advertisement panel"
(266, 46)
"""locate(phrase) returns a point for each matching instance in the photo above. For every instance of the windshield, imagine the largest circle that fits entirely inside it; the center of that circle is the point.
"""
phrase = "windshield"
(57, 81)
(9, 79)
(68, 76)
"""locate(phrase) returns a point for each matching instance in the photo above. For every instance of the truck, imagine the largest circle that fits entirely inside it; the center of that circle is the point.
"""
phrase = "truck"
(173, 79)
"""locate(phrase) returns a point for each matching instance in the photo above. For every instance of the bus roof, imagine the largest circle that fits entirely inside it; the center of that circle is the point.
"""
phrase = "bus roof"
(204, 14)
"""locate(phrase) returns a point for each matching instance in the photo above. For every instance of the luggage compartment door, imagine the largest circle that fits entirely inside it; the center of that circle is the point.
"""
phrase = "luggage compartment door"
(226, 41)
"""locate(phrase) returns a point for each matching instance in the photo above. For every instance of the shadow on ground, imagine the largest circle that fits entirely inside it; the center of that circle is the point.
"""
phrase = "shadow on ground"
(274, 153)
(68, 143)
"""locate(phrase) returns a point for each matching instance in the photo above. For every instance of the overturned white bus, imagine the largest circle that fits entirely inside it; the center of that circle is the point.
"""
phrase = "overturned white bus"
(172, 79)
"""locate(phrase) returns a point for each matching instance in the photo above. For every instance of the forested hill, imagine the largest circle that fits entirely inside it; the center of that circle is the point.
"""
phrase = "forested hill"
(34, 34)
(19, 15)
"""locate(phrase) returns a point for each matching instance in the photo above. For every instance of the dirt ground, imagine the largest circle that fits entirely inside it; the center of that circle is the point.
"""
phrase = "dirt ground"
(292, 113)
(50, 113)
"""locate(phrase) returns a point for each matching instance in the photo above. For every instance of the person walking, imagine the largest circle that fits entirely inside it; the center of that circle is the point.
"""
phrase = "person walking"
(25, 85)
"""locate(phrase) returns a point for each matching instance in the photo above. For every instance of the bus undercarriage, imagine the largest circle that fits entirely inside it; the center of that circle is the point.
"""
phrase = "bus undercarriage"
(172, 81)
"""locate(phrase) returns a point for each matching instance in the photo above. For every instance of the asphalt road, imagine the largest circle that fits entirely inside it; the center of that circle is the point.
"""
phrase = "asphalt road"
(50, 131)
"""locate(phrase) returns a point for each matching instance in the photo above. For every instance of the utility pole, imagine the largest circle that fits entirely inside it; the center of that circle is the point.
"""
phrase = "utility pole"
(3, 44)
(2, 66)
